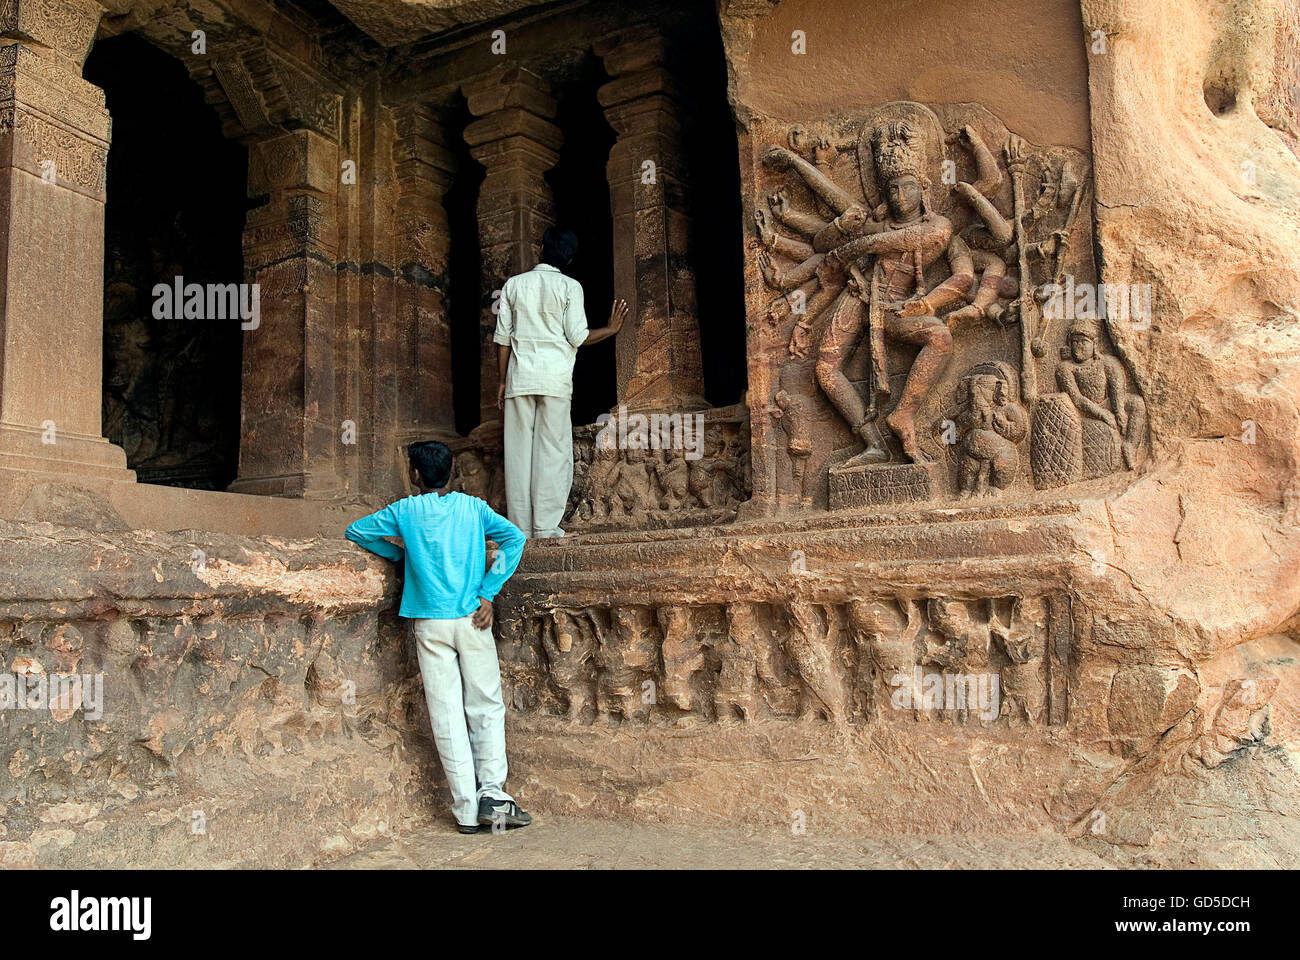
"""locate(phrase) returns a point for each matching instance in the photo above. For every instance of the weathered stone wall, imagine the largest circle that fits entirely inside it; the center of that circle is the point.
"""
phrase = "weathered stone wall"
(1201, 199)
(258, 704)
(745, 672)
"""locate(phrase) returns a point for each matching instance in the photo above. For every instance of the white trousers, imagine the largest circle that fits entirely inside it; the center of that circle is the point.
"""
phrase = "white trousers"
(539, 463)
(462, 686)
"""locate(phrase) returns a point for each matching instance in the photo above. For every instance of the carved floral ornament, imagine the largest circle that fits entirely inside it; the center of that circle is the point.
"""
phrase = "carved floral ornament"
(71, 157)
(65, 26)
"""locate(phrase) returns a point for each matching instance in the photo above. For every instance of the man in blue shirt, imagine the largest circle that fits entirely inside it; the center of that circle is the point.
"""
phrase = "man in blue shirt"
(448, 598)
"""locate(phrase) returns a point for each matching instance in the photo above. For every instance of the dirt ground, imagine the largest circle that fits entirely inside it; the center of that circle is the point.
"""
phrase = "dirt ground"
(590, 844)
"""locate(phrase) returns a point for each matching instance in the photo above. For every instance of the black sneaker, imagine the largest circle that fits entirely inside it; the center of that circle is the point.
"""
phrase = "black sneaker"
(492, 812)
(472, 828)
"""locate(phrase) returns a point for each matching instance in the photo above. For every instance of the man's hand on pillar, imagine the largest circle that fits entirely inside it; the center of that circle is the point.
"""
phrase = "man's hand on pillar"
(617, 314)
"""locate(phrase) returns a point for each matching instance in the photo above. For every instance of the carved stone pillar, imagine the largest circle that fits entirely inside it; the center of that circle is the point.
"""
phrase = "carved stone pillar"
(424, 172)
(272, 93)
(54, 133)
(517, 144)
(658, 352)
(289, 441)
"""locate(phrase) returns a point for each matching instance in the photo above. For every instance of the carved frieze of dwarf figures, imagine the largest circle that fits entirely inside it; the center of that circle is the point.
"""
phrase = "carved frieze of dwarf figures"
(682, 653)
(750, 680)
(711, 471)
(672, 473)
(596, 501)
(569, 641)
(811, 648)
(629, 657)
(992, 422)
(735, 695)
(653, 469)
(963, 660)
(1022, 637)
(885, 636)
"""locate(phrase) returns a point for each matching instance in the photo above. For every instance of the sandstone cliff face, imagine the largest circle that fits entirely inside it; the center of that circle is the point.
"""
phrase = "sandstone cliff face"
(1199, 197)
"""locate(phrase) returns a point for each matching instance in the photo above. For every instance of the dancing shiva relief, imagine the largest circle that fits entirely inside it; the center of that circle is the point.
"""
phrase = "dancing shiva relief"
(934, 275)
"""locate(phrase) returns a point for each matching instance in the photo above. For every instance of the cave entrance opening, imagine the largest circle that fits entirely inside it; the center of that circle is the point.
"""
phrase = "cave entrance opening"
(176, 198)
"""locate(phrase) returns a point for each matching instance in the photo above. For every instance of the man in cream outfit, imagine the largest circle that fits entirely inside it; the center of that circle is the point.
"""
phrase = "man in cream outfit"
(541, 323)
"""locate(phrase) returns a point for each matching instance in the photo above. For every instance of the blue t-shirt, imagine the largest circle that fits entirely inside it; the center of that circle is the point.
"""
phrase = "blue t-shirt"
(445, 551)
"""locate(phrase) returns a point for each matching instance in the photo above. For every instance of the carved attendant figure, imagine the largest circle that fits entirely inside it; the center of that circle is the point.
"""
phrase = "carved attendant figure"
(631, 482)
(994, 423)
(1095, 384)
(601, 479)
(794, 419)
(989, 238)
(705, 471)
(673, 474)
(470, 475)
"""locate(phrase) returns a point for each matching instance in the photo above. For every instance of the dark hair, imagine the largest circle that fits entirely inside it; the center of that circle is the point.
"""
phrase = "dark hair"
(559, 247)
(432, 460)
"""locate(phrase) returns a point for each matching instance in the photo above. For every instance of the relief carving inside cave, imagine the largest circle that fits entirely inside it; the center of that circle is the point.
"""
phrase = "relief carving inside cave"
(919, 256)
(888, 658)
(695, 470)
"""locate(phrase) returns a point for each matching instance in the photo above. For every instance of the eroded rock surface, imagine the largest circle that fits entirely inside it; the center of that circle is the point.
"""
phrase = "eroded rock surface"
(220, 700)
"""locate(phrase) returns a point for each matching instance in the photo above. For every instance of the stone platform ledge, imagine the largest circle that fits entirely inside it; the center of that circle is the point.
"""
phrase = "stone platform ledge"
(49, 571)
(146, 506)
(825, 554)
(1158, 557)
(267, 684)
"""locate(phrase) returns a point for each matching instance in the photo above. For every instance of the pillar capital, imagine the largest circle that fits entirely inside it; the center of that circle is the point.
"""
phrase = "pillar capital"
(506, 88)
(421, 151)
(61, 29)
(57, 122)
